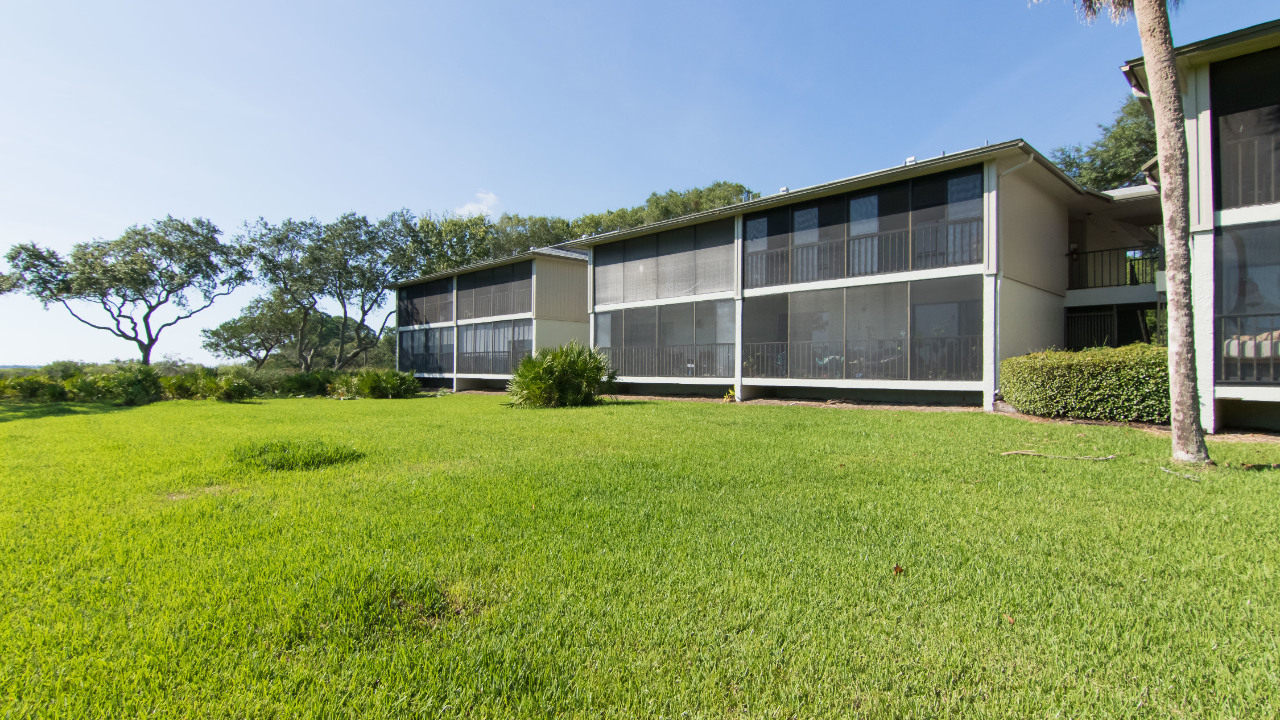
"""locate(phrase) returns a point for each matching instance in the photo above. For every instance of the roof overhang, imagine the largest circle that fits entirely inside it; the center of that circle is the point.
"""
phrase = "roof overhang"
(880, 177)
(558, 252)
(1221, 47)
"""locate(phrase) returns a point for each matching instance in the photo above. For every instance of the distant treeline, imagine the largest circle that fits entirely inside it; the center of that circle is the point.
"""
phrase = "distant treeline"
(154, 276)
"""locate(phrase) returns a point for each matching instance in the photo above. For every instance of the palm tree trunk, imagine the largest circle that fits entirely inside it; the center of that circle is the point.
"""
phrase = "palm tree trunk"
(1171, 145)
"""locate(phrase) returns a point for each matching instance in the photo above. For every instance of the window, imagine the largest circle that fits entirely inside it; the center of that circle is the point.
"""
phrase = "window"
(767, 239)
(1245, 96)
(818, 240)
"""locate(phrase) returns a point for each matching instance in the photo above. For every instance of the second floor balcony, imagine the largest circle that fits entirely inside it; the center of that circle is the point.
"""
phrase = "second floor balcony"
(1115, 267)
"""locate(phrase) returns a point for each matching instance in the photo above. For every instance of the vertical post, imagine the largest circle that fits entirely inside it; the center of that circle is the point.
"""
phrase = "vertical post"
(990, 340)
(1202, 293)
(457, 336)
(591, 296)
(738, 273)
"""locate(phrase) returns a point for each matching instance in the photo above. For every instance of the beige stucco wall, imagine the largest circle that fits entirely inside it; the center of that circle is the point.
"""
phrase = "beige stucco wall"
(1032, 233)
(554, 333)
(1031, 319)
(560, 289)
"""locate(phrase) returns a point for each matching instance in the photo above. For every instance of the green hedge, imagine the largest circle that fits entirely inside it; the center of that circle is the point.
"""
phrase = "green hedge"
(1128, 384)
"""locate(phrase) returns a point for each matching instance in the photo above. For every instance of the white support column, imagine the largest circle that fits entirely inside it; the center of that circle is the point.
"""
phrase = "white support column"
(591, 296)
(990, 341)
(533, 305)
(990, 285)
(457, 337)
(1202, 292)
(737, 307)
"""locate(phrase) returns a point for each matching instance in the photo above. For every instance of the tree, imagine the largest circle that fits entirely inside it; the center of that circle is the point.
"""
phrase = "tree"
(361, 261)
(1116, 158)
(263, 326)
(144, 282)
(289, 262)
(1171, 142)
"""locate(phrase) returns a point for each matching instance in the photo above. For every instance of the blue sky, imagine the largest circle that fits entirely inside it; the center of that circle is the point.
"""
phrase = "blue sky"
(114, 114)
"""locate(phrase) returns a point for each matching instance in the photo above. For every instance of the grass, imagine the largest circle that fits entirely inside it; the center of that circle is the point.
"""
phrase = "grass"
(640, 558)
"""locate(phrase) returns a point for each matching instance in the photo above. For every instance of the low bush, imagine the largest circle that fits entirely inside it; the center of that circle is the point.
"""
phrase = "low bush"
(33, 387)
(1121, 384)
(565, 376)
(134, 385)
(315, 382)
(385, 384)
(88, 389)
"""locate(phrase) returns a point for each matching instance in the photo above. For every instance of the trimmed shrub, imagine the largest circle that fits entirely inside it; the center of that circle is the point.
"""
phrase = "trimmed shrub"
(1122, 384)
(566, 376)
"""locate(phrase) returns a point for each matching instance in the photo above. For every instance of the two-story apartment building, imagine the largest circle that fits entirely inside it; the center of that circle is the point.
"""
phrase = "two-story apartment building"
(470, 327)
(910, 282)
(1231, 97)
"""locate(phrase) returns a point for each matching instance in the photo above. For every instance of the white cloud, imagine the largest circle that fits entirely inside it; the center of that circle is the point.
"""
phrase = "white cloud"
(486, 203)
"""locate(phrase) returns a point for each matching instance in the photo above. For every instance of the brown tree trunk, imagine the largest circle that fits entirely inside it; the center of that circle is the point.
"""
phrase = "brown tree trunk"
(1171, 145)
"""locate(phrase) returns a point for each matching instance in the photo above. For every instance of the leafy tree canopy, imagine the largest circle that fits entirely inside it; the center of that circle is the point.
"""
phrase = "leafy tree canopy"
(1116, 158)
(138, 285)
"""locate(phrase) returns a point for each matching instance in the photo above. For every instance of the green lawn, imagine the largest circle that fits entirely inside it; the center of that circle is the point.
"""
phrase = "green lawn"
(638, 559)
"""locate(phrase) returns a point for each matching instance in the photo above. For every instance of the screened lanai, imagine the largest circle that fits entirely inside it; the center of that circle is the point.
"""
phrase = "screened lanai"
(927, 222)
(920, 330)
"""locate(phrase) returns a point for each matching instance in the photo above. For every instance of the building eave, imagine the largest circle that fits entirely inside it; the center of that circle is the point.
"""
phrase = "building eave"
(557, 252)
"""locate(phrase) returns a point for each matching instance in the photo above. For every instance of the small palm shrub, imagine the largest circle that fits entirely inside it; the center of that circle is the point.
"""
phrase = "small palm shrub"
(88, 388)
(565, 376)
(134, 385)
(187, 386)
(33, 387)
(385, 384)
(315, 382)
(389, 384)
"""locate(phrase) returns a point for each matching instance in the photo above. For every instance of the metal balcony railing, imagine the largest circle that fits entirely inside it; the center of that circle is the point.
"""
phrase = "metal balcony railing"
(1116, 267)
(1249, 349)
(925, 246)
(708, 360)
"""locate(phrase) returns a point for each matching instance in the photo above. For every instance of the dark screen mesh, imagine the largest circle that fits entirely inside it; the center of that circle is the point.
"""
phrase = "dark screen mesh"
(1245, 95)
(425, 303)
(680, 340)
(924, 330)
(927, 222)
(502, 290)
